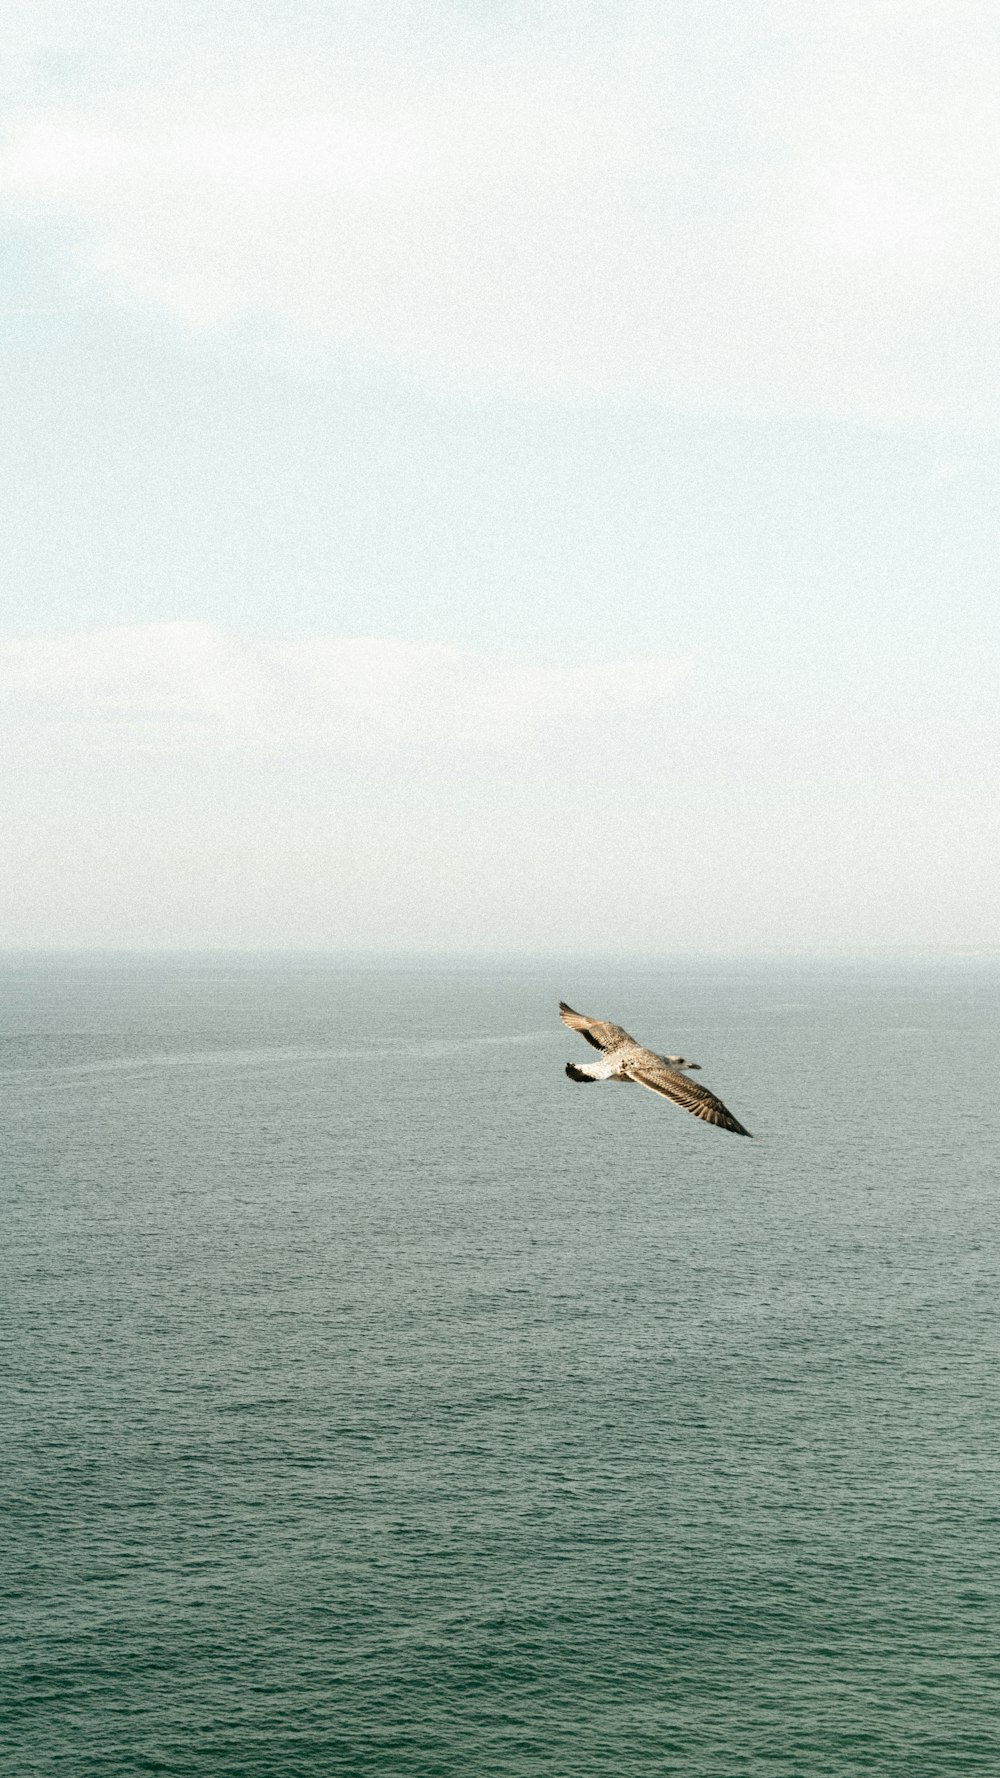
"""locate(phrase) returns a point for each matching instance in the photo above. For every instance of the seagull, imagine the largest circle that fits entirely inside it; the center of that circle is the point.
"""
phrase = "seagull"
(624, 1059)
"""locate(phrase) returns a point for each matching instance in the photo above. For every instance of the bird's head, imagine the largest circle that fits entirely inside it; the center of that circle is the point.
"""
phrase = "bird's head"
(679, 1062)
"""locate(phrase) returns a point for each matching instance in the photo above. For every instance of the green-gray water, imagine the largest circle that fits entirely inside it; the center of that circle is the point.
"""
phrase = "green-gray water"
(378, 1402)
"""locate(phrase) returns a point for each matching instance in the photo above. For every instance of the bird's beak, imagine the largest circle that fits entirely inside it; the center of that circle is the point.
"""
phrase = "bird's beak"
(696, 1065)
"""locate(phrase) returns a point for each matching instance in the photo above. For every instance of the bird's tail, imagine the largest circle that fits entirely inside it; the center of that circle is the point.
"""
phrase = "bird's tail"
(584, 1071)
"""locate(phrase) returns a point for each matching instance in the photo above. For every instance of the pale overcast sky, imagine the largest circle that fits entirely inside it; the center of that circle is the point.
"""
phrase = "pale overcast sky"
(492, 476)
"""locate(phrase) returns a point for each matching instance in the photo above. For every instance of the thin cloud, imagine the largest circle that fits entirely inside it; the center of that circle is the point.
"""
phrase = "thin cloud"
(193, 688)
(825, 240)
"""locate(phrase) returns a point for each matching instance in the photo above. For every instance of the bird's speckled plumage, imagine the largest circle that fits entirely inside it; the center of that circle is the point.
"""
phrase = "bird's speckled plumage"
(624, 1059)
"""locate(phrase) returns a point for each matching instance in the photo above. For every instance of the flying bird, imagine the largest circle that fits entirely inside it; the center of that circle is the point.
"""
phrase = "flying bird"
(624, 1059)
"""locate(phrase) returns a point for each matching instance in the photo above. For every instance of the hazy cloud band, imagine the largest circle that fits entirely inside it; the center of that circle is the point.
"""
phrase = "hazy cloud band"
(192, 686)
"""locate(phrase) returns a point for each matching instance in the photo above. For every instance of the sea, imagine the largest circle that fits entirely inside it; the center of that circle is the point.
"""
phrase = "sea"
(376, 1401)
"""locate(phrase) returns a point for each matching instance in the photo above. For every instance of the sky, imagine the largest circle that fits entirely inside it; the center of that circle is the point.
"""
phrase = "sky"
(502, 478)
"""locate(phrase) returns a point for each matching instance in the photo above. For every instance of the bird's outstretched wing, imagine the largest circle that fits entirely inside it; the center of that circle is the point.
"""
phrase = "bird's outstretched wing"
(651, 1071)
(599, 1032)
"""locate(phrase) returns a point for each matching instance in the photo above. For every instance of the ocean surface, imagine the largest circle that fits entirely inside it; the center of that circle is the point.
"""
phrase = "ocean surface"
(376, 1401)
